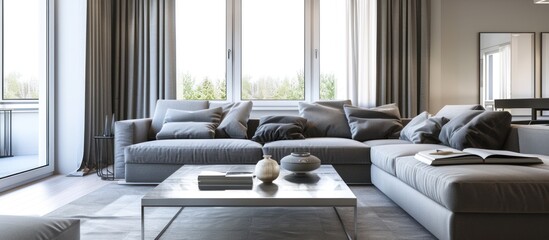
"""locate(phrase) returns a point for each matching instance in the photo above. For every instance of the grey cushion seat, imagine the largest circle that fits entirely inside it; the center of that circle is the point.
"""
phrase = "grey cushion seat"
(25, 227)
(332, 150)
(479, 188)
(384, 156)
(194, 151)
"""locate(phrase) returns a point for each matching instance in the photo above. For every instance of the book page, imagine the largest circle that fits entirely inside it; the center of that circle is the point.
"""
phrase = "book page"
(443, 153)
(486, 153)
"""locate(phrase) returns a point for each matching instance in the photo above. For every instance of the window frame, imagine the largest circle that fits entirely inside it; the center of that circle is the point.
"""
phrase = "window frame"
(23, 103)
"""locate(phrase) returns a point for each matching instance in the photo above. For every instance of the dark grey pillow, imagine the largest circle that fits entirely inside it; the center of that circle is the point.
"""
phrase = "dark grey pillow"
(273, 128)
(206, 115)
(369, 124)
(477, 129)
(451, 111)
(187, 130)
(325, 119)
(423, 129)
(234, 122)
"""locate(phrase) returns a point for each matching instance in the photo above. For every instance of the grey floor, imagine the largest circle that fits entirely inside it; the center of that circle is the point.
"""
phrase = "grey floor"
(16, 164)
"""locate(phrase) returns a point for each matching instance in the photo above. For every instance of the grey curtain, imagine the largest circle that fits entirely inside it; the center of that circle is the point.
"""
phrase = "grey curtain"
(144, 55)
(130, 62)
(403, 54)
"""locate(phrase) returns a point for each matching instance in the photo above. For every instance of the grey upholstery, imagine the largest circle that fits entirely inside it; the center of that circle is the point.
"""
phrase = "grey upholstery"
(194, 151)
(163, 105)
(126, 133)
(475, 201)
(451, 111)
(380, 142)
(329, 150)
(384, 156)
(445, 224)
(24, 227)
(479, 187)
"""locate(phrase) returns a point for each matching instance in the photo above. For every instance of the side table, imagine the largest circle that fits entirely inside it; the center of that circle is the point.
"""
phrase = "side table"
(104, 157)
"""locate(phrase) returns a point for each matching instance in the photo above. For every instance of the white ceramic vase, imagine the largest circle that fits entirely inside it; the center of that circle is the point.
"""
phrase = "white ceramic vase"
(267, 169)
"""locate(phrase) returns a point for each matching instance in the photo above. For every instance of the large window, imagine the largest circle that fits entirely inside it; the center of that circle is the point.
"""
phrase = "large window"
(274, 52)
(24, 48)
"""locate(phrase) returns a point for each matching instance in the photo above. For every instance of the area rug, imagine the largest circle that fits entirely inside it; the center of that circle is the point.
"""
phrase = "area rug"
(114, 212)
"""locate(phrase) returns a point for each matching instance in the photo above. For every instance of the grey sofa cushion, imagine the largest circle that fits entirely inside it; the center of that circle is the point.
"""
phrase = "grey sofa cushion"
(24, 227)
(234, 120)
(273, 128)
(423, 129)
(212, 115)
(381, 142)
(374, 123)
(325, 119)
(479, 188)
(478, 129)
(451, 111)
(187, 130)
(329, 150)
(163, 105)
(194, 151)
(384, 156)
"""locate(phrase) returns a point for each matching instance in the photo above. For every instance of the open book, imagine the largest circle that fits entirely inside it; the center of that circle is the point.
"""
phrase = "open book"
(447, 156)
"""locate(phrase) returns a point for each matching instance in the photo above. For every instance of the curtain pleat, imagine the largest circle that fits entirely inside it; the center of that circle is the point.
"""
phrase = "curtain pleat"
(130, 59)
(403, 54)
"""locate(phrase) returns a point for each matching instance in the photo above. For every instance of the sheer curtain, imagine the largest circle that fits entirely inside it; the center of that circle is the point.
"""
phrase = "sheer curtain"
(130, 62)
(403, 54)
(363, 85)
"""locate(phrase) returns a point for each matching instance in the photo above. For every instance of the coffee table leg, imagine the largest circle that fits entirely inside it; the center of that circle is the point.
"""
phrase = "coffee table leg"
(356, 222)
(343, 225)
(142, 223)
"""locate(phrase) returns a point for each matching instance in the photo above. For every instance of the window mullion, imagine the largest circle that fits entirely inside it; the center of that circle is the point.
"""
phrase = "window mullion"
(313, 30)
(237, 50)
(230, 51)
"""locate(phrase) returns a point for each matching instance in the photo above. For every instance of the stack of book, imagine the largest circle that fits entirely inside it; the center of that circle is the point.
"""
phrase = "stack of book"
(210, 180)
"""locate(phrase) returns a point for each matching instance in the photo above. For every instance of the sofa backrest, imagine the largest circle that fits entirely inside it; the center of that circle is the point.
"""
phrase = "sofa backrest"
(530, 139)
(163, 105)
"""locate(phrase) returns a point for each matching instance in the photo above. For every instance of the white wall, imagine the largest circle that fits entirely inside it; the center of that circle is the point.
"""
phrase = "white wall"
(70, 84)
(455, 27)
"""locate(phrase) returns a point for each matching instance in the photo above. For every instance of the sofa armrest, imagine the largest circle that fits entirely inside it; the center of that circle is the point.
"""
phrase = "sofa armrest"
(532, 138)
(126, 133)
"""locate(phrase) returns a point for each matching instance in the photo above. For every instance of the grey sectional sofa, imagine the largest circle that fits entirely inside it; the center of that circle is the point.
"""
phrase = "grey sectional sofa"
(452, 202)
(469, 201)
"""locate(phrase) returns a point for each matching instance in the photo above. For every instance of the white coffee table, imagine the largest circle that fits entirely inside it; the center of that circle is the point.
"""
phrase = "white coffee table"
(320, 188)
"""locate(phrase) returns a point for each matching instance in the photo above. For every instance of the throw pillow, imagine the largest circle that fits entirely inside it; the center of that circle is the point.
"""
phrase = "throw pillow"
(325, 119)
(273, 128)
(369, 124)
(477, 129)
(234, 122)
(423, 129)
(451, 111)
(206, 115)
(187, 130)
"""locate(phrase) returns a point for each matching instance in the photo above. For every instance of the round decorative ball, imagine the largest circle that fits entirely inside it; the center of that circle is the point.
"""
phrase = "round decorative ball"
(267, 169)
(300, 162)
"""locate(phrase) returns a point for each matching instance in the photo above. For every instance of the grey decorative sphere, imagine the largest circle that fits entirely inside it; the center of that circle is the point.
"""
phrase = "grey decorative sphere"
(300, 162)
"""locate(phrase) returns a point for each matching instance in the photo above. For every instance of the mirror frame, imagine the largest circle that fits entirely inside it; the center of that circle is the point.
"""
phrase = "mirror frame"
(544, 64)
(482, 90)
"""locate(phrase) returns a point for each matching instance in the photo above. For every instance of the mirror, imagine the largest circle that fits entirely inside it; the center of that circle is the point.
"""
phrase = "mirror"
(545, 65)
(506, 67)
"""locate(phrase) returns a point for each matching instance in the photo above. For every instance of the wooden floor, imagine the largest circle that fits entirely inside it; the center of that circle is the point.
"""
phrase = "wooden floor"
(43, 196)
